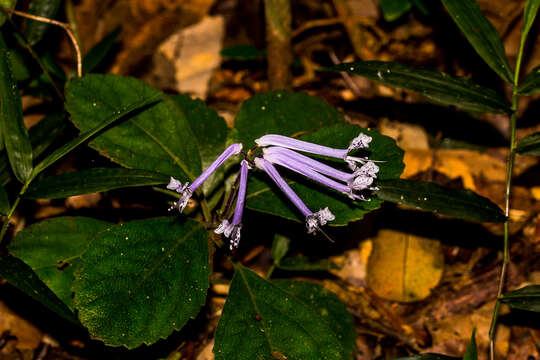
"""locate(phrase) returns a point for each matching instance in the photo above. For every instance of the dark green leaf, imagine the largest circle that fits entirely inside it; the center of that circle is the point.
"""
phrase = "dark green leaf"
(531, 9)
(145, 101)
(12, 126)
(159, 139)
(394, 9)
(302, 263)
(461, 204)
(4, 202)
(36, 29)
(481, 34)
(282, 319)
(446, 89)
(420, 5)
(527, 298)
(243, 52)
(91, 181)
(429, 356)
(141, 280)
(265, 197)
(531, 84)
(99, 52)
(5, 3)
(280, 247)
(20, 275)
(529, 145)
(471, 353)
(53, 248)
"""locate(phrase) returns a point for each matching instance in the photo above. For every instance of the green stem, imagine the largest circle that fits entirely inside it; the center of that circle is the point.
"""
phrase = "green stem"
(10, 213)
(270, 271)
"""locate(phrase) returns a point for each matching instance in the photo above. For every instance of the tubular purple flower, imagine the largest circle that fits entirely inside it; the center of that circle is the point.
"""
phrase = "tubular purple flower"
(313, 220)
(187, 190)
(232, 230)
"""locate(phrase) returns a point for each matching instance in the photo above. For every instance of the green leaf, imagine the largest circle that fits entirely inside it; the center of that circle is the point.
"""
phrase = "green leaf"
(36, 29)
(284, 113)
(394, 9)
(159, 139)
(302, 263)
(280, 247)
(6, 4)
(91, 181)
(4, 202)
(471, 354)
(145, 101)
(461, 204)
(99, 52)
(531, 84)
(527, 298)
(529, 14)
(529, 145)
(141, 280)
(481, 34)
(12, 125)
(429, 356)
(243, 52)
(20, 275)
(282, 320)
(265, 197)
(446, 89)
(53, 249)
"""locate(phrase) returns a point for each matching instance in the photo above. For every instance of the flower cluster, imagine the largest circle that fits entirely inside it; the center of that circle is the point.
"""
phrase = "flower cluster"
(287, 152)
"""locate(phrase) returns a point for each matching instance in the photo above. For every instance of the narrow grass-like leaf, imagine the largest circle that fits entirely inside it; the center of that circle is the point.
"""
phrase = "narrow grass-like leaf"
(471, 353)
(53, 248)
(446, 89)
(531, 84)
(16, 140)
(91, 181)
(529, 14)
(461, 204)
(99, 52)
(125, 112)
(20, 275)
(529, 145)
(141, 280)
(4, 201)
(282, 320)
(527, 298)
(481, 34)
(394, 9)
(35, 30)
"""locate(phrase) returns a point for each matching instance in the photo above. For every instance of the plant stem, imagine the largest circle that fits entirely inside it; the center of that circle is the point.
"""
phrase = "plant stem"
(10, 213)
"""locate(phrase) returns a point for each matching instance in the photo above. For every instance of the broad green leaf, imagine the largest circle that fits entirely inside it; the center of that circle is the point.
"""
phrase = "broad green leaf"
(481, 34)
(446, 89)
(461, 204)
(471, 353)
(265, 197)
(285, 113)
(429, 356)
(529, 14)
(394, 9)
(4, 202)
(243, 52)
(531, 84)
(99, 52)
(140, 105)
(12, 126)
(282, 320)
(141, 280)
(159, 139)
(53, 249)
(529, 145)
(302, 263)
(280, 247)
(36, 29)
(20, 275)
(6, 4)
(527, 298)
(91, 181)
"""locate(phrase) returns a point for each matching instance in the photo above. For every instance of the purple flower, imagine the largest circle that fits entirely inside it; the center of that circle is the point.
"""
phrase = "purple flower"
(313, 220)
(232, 229)
(187, 190)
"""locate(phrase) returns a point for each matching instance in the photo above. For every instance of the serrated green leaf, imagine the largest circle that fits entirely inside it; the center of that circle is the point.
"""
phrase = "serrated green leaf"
(527, 298)
(471, 353)
(446, 89)
(529, 145)
(159, 139)
(282, 319)
(4, 202)
(481, 34)
(99, 52)
(461, 204)
(91, 181)
(6, 4)
(53, 248)
(16, 140)
(143, 101)
(20, 275)
(302, 263)
(141, 280)
(531, 84)
(280, 247)
(263, 196)
(394, 9)
(36, 29)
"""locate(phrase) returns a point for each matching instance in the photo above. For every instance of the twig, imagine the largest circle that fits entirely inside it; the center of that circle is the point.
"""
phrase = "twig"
(348, 79)
(64, 26)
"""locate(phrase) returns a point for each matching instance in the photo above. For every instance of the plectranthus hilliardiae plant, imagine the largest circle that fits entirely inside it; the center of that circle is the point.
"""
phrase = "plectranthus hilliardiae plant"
(285, 152)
